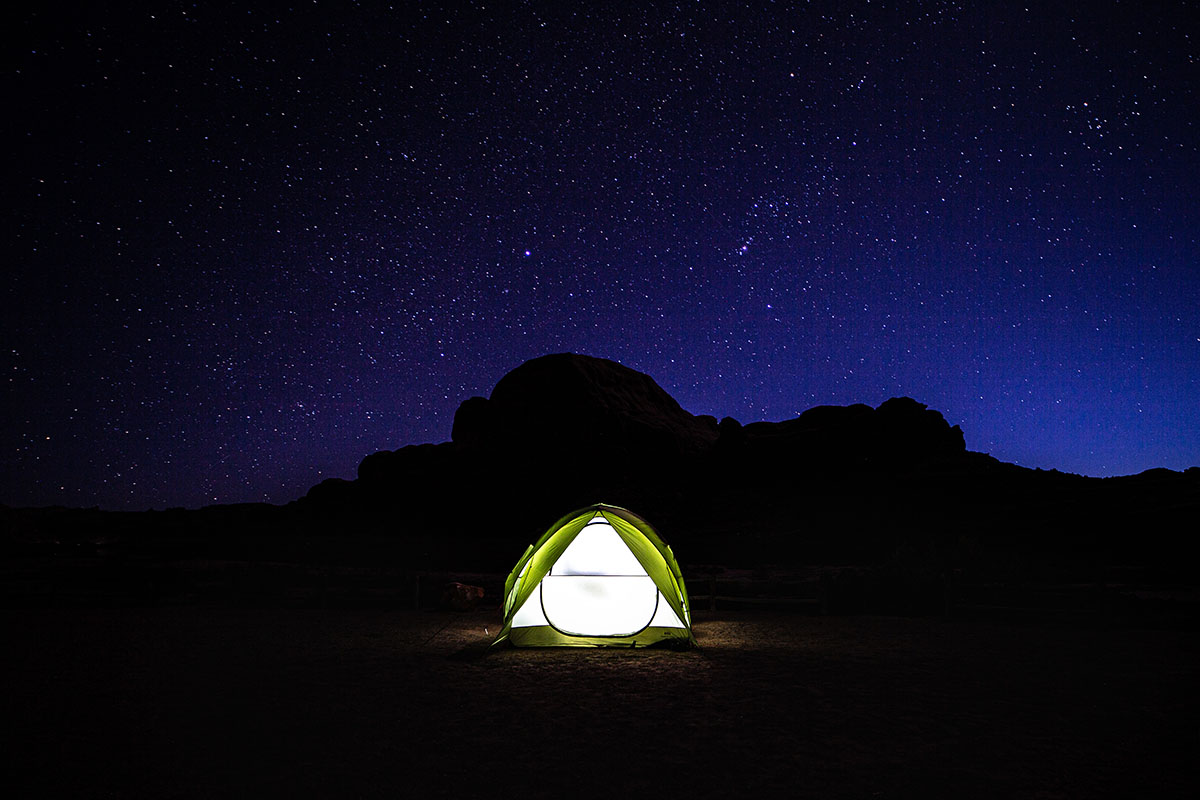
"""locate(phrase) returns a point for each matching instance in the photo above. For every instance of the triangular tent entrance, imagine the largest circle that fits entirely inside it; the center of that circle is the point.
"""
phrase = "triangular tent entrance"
(599, 577)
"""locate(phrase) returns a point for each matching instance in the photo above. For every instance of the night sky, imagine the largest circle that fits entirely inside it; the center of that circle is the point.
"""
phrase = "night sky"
(246, 248)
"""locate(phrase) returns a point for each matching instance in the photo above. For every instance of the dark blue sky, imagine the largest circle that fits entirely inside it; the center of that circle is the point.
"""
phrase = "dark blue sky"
(248, 247)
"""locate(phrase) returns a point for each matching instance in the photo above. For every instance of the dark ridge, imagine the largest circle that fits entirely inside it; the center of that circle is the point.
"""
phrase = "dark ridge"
(892, 486)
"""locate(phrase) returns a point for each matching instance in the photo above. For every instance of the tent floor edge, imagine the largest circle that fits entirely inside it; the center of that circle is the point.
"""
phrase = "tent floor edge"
(546, 636)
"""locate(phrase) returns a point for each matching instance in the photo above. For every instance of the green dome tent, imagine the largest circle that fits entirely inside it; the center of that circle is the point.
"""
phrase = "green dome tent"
(599, 577)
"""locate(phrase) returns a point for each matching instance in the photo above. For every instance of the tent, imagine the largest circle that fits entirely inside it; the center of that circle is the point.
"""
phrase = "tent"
(599, 577)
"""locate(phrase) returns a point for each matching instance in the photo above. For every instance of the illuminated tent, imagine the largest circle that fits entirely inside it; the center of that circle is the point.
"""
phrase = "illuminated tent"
(600, 577)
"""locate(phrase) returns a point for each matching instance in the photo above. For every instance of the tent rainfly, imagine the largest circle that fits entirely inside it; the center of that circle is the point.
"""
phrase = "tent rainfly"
(600, 577)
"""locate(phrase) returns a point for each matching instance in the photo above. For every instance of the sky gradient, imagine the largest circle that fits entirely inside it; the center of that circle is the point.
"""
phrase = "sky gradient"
(247, 248)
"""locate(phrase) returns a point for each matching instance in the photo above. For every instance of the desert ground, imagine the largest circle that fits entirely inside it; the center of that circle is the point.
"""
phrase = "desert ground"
(220, 701)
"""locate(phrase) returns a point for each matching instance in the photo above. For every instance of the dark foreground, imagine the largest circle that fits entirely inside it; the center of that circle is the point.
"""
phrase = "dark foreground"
(227, 702)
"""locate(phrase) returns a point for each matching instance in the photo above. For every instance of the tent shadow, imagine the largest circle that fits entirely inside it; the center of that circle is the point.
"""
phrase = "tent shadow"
(475, 651)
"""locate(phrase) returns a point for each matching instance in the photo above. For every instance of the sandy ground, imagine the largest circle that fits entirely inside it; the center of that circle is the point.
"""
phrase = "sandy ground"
(226, 702)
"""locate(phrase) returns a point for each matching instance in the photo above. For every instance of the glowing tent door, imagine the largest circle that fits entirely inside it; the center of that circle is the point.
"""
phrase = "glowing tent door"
(597, 587)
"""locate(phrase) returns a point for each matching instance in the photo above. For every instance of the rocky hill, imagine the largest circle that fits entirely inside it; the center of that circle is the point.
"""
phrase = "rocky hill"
(835, 485)
(843, 483)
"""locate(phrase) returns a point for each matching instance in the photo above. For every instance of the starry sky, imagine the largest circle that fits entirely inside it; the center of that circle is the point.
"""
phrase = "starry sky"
(247, 247)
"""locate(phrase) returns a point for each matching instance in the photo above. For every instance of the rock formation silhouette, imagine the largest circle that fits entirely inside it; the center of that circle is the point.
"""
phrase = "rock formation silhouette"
(891, 484)
(566, 430)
